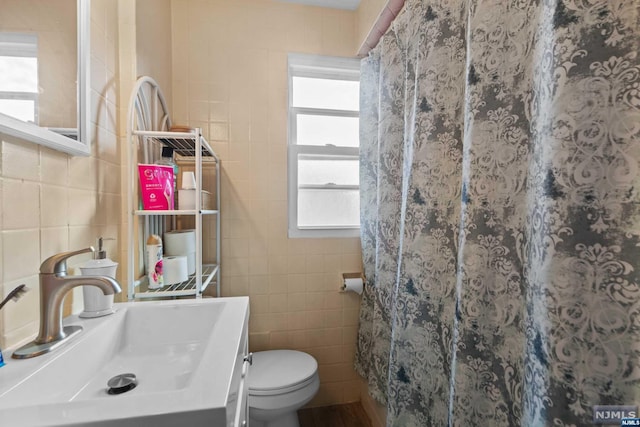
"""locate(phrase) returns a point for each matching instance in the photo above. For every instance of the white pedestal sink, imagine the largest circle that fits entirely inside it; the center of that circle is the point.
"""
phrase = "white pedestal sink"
(186, 355)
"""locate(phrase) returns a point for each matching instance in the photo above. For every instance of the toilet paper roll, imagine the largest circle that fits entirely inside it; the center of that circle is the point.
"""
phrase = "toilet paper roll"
(353, 285)
(174, 269)
(179, 242)
(191, 262)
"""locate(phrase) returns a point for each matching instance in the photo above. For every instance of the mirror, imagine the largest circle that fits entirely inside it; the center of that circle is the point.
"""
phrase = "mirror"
(44, 69)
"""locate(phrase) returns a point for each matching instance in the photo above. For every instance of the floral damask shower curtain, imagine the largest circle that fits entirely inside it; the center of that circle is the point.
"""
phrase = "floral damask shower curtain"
(501, 212)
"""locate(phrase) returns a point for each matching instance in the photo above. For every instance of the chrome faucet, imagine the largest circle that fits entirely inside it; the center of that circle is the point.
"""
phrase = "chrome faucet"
(54, 284)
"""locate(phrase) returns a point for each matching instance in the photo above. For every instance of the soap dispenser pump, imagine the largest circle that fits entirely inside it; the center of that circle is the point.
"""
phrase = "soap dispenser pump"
(96, 304)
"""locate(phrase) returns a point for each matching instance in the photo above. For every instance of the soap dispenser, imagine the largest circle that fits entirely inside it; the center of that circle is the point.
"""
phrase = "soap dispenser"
(96, 304)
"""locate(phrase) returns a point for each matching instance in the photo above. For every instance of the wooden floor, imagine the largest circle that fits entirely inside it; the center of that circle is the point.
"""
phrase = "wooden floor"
(349, 415)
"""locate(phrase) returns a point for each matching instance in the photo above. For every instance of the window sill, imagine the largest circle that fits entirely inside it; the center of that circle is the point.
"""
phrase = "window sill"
(295, 233)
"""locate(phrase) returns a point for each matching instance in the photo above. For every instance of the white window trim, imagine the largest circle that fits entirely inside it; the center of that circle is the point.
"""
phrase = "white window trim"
(319, 67)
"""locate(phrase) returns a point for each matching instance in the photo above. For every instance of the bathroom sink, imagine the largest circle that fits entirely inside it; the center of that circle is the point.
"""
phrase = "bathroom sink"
(183, 354)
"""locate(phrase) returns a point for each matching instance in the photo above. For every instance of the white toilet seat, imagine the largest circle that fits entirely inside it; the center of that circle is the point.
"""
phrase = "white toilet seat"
(277, 372)
(285, 390)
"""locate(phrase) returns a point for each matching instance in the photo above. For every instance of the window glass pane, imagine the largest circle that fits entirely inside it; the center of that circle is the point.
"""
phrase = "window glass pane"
(326, 93)
(328, 208)
(320, 171)
(323, 130)
(19, 74)
(21, 109)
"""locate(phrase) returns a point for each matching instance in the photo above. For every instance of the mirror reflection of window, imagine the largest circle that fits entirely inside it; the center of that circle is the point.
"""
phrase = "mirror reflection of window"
(19, 69)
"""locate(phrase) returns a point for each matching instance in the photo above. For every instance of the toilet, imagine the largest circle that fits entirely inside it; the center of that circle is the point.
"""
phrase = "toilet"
(280, 383)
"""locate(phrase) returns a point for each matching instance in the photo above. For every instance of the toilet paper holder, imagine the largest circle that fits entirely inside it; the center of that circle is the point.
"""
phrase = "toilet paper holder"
(346, 276)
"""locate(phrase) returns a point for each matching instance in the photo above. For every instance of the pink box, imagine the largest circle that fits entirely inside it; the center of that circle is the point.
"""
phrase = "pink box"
(156, 187)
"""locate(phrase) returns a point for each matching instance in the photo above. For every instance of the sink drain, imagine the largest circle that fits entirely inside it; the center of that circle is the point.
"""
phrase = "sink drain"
(122, 383)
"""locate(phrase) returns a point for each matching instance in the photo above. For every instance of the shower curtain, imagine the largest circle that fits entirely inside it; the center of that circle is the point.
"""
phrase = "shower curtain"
(500, 215)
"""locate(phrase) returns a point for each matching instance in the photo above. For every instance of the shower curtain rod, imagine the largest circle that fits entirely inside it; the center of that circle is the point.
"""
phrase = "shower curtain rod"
(380, 26)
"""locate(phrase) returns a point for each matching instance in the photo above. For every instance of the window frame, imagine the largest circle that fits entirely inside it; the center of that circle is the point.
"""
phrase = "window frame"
(21, 45)
(325, 67)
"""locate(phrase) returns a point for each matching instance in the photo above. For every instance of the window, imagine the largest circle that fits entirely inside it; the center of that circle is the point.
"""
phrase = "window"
(19, 68)
(324, 198)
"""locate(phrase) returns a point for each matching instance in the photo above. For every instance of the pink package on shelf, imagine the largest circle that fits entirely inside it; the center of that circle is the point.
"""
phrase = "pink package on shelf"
(156, 187)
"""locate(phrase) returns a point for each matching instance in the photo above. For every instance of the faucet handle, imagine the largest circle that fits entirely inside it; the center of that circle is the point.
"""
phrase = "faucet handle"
(57, 264)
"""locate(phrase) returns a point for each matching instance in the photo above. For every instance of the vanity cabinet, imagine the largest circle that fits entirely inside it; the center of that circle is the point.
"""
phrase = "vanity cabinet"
(237, 407)
(148, 131)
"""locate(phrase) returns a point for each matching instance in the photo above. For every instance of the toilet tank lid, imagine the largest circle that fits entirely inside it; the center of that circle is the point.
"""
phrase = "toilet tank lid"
(279, 369)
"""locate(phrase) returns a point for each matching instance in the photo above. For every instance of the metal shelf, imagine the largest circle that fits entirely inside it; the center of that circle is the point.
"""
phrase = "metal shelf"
(187, 288)
(177, 212)
(183, 143)
(146, 130)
